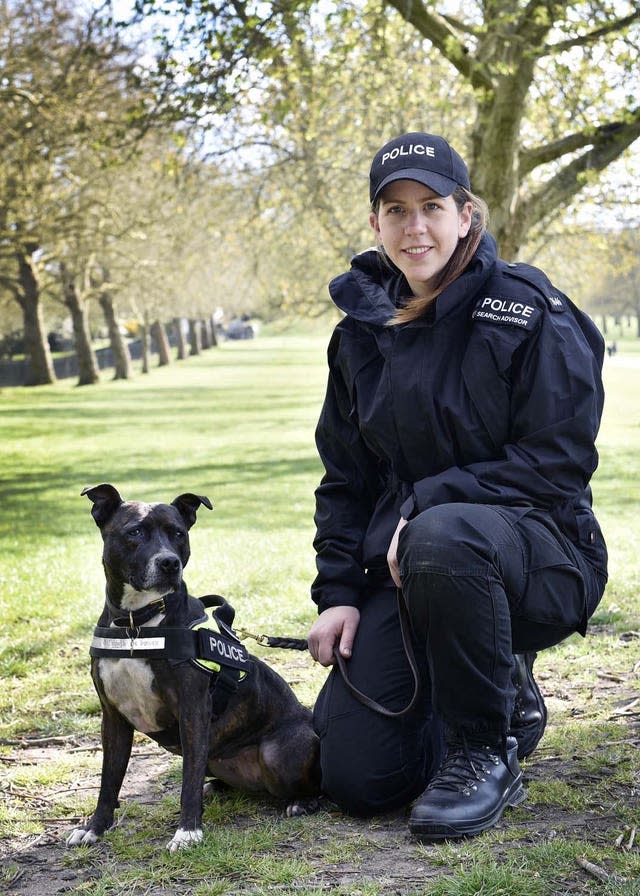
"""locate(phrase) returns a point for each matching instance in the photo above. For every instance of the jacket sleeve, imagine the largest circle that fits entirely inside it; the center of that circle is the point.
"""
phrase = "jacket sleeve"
(344, 498)
(556, 403)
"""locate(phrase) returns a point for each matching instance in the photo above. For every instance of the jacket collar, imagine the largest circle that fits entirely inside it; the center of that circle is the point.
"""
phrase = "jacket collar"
(370, 291)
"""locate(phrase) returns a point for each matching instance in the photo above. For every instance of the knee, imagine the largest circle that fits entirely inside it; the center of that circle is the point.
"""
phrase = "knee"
(446, 537)
(368, 770)
(364, 791)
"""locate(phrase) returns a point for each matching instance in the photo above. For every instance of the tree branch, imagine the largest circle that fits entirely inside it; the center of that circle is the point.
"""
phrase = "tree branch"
(436, 29)
(608, 144)
(598, 136)
(533, 25)
(591, 37)
(461, 27)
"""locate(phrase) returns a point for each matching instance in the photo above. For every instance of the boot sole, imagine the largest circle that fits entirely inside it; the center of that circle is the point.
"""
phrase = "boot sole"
(423, 830)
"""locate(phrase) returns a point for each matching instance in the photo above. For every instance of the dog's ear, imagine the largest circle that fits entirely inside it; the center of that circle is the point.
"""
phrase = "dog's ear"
(106, 500)
(188, 504)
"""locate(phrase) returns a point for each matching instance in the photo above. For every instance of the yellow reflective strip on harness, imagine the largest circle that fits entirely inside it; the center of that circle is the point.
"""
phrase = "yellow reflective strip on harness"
(208, 622)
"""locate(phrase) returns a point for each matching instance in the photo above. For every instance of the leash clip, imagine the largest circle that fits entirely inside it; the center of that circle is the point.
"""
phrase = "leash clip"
(133, 636)
(243, 634)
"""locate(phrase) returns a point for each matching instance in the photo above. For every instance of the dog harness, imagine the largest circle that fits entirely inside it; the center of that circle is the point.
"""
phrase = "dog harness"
(209, 642)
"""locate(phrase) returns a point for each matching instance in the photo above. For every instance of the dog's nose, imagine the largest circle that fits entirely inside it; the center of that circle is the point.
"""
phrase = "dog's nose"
(170, 564)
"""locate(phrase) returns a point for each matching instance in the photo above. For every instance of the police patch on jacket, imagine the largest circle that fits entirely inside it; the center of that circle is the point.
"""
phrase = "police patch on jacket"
(512, 312)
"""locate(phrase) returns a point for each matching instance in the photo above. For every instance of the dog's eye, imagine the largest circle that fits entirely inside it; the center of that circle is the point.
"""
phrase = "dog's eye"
(134, 532)
(178, 534)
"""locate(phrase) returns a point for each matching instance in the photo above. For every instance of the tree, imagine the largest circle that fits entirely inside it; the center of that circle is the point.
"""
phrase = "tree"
(554, 84)
(119, 348)
(26, 291)
(537, 69)
(615, 287)
(87, 363)
(71, 104)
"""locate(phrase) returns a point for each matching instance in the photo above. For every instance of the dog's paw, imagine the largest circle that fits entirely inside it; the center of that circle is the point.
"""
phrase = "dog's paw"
(304, 807)
(82, 837)
(183, 839)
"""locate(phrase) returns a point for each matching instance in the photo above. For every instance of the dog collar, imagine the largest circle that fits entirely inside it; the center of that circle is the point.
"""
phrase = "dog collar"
(136, 618)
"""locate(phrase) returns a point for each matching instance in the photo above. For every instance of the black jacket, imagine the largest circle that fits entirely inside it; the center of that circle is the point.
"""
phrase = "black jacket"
(493, 397)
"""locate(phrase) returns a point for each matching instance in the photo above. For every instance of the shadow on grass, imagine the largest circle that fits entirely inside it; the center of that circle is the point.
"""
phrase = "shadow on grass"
(50, 504)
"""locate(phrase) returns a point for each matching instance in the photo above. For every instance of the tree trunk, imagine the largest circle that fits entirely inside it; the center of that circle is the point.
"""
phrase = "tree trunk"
(88, 372)
(194, 336)
(180, 340)
(144, 337)
(41, 372)
(159, 333)
(212, 327)
(119, 348)
(205, 333)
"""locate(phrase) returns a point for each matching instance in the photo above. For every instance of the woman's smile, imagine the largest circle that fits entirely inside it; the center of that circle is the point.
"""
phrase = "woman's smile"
(417, 250)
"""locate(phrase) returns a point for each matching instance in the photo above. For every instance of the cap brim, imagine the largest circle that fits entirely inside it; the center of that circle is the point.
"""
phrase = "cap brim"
(443, 186)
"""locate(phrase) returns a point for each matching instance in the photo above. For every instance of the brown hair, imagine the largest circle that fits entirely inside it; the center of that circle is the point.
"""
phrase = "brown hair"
(462, 255)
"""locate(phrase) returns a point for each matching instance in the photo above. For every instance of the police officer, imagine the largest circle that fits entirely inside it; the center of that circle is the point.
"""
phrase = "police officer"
(457, 436)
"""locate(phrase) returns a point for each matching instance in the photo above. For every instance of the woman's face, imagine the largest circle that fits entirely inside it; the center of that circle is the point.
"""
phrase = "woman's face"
(419, 230)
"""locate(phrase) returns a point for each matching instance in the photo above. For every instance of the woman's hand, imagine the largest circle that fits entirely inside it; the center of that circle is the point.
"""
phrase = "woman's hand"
(335, 626)
(392, 553)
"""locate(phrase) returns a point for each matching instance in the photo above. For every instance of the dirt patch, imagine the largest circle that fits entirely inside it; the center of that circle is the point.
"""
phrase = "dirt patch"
(41, 866)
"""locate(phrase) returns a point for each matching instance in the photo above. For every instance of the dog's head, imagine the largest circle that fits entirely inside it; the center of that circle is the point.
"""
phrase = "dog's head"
(146, 546)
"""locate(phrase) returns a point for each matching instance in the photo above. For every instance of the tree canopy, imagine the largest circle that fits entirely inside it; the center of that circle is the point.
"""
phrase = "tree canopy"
(554, 85)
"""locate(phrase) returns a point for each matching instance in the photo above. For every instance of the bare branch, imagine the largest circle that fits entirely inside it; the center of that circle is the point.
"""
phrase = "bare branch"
(610, 132)
(438, 30)
(534, 25)
(607, 146)
(592, 37)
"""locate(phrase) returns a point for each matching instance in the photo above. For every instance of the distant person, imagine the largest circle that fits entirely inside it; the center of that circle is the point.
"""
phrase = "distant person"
(612, 348)
(457, 436)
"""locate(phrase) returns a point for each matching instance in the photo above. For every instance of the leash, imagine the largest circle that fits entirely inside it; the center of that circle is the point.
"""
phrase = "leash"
(270, 641)
(405, 630)
(302, 644)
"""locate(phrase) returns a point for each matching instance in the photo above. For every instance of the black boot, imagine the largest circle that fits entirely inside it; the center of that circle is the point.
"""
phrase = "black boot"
(469, 792)
(529, 716)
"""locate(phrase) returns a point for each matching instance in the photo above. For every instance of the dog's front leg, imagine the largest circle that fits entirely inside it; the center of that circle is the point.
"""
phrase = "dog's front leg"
(117, 740)
(195, 723)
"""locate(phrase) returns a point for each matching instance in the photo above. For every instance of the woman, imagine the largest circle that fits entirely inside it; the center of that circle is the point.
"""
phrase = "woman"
(457, 436)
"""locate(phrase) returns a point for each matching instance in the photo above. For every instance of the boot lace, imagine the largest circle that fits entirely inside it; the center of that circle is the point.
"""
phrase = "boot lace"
(464, 767)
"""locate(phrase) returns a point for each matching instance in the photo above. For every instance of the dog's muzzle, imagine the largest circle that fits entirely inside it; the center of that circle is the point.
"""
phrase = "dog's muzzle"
(164, 570)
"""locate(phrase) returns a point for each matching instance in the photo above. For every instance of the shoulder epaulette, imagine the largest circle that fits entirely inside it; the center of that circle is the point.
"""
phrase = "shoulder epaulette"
(556, 301)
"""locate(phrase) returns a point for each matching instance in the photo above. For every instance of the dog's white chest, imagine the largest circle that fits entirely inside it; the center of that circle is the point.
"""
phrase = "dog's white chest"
(128, 684)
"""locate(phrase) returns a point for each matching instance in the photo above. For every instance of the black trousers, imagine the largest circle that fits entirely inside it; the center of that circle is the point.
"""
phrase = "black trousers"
(480, 583)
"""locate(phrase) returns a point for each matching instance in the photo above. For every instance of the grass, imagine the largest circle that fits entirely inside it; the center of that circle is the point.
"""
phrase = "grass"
(237, 425)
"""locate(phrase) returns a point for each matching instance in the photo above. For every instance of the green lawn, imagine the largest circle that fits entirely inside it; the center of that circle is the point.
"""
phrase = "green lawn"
(236, 424)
